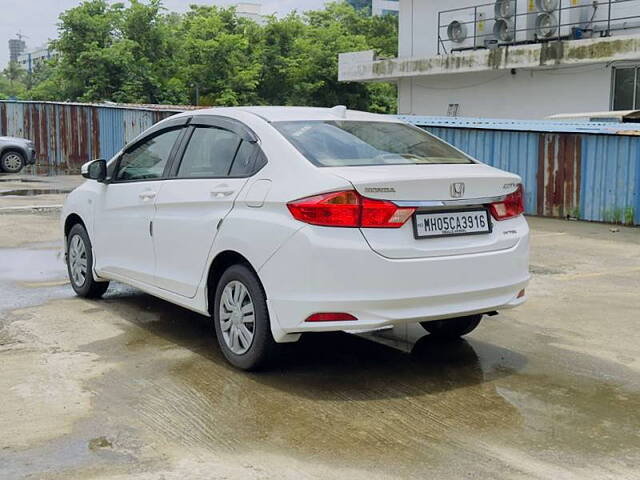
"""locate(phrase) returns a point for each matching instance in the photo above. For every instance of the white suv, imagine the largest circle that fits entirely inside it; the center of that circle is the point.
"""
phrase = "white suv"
(277, 221)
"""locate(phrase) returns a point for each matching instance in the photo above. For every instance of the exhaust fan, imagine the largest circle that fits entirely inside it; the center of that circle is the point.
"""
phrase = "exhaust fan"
(457, 32)
(546, 25)
(548, 6)
(505, 9)
(503, 30)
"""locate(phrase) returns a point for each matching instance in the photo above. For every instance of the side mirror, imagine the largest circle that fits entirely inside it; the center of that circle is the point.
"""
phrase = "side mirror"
(95, 170)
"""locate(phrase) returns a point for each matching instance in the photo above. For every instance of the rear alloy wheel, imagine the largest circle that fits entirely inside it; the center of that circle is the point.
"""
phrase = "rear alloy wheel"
(241, 319)
(12, 162)
(452, 328)
(80, 262)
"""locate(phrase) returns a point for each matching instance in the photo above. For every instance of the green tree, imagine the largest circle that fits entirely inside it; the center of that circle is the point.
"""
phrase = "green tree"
(337, 29)
(278, 52)
(220, 55)
(91, 64)
(153, 45)
(13, 81)
(45, 82)
(142, 54)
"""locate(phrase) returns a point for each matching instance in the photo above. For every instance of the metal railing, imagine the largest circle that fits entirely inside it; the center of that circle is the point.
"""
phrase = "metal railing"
(534, 25)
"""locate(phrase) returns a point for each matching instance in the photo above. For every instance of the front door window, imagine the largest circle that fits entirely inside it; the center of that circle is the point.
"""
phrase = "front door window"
(148, 160)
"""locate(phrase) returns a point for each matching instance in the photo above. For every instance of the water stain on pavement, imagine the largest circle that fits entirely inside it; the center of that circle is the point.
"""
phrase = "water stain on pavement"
(38, 262)
(511, 401)
(32, 275)
(347, 401)
(32, 192)
(22, 180)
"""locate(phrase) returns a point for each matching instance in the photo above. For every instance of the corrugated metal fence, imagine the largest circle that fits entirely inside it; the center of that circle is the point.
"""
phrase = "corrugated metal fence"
(67, 134)
(589, 171)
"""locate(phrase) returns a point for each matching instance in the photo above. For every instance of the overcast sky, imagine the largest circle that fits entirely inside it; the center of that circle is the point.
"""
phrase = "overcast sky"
(37, 19)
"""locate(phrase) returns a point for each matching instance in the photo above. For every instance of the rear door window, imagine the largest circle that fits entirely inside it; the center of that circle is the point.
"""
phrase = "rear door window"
(248, 161)
(210, 153)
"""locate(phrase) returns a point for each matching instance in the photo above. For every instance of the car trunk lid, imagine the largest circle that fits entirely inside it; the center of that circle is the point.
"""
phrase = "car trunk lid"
(432, 188)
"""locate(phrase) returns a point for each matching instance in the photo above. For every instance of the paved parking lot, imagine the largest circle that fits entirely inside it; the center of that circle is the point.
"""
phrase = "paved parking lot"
(134, 387)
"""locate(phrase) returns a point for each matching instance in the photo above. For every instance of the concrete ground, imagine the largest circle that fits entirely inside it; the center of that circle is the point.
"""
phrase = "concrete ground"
(133, 387)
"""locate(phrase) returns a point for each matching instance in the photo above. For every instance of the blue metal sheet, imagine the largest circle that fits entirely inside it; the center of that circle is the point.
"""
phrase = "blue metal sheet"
(111, 131)
(601, 128)
(610, 178)
(515, 152)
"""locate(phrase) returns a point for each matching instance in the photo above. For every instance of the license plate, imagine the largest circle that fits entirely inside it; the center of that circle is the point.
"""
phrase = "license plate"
(452, 223)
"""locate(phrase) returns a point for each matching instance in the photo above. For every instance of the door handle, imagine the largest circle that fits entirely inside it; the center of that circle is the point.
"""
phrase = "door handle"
(147, 195)
(221, 193)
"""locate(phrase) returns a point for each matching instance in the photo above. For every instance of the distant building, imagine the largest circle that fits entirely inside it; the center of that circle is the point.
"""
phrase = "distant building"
(377, 7)
(252, 11)
(16, 47)
(29, 60)
(360, 4)
(385, 7)
(526, 59)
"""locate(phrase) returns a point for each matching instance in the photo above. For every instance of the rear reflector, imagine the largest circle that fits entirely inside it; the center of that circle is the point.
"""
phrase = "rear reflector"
(521, 293)
(331, 317)
(511, 206)
(349, 209)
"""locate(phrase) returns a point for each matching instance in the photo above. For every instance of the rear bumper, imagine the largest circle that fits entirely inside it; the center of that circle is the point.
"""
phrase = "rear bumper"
(334, 270)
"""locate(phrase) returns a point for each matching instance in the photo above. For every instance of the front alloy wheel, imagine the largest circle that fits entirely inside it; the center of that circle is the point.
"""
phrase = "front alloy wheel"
(80, 262)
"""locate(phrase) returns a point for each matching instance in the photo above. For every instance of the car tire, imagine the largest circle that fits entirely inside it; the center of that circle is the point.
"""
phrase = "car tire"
(12, 162)
(245, 340)
(452, 328)
(80, 264)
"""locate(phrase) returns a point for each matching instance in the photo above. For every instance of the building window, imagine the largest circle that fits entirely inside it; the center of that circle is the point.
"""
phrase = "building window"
(626, 88)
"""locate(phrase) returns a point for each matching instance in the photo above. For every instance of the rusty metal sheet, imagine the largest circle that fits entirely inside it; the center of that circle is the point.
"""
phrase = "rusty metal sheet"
(559, 170)
(68, 134)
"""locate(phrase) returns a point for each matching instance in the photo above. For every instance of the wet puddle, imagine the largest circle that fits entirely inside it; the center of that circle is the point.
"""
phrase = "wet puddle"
(32, 275)
(32, 264)
(351, 404)
(32, 192)
(21, 180)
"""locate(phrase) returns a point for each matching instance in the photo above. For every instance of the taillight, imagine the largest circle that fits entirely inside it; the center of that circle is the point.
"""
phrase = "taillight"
(349, 209)
(337, 209)
(511, 206)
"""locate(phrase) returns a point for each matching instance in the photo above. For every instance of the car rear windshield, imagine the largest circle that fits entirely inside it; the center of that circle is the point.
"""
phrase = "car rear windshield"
(352, 143)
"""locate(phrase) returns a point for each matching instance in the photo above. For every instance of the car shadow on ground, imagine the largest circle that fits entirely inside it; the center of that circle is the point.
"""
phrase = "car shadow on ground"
(324, 366)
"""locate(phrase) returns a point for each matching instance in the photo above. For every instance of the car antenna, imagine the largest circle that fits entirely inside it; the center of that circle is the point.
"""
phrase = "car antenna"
(340, 111)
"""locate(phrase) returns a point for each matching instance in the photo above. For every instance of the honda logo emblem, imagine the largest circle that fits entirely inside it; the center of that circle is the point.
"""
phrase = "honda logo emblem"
(457, 190)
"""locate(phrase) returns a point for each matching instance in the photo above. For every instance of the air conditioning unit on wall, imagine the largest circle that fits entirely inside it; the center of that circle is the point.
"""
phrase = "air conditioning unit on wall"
(514, 21)
(561, 17)
(461, 27)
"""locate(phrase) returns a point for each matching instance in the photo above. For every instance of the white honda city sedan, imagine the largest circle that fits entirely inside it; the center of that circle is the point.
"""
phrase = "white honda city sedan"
(276, 221)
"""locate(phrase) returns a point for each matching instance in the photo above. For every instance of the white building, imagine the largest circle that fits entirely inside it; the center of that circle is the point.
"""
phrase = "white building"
(385, 7)
(252, 11)
(574, 58)
(30, 59)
